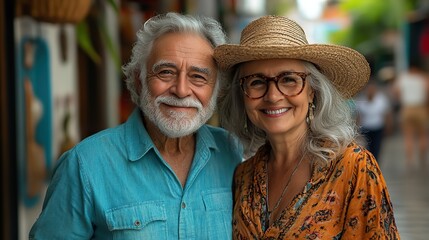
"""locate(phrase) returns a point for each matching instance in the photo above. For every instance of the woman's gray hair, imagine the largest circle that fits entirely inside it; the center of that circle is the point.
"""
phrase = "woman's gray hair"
(157, 26)
(331, 130)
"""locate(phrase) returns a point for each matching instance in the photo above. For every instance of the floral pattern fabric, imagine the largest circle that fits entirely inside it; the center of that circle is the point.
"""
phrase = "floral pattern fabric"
(344, 199)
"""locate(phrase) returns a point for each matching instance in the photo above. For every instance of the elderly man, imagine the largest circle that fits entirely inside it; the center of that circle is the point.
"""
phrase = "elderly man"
(163, 174)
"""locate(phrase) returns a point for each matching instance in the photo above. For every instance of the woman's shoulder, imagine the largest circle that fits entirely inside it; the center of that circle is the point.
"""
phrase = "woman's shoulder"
(256, 162)
(357, 160)
(249, 163)
(357, 154)
(354, 150)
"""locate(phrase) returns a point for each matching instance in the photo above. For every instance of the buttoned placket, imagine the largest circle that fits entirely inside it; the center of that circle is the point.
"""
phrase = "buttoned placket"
(186, 220)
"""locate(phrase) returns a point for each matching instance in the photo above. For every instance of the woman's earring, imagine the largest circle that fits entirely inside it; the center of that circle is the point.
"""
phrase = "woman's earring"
(310, 114)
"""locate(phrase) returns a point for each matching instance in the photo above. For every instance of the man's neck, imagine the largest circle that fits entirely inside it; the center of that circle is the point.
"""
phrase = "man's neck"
(177, 152)
(166, 144)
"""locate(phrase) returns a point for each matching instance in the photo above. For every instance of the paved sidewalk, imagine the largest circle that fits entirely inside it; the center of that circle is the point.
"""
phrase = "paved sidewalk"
(409, 190)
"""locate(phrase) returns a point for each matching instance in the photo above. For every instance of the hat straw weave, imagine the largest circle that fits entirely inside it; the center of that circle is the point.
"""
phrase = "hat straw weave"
(273, 37)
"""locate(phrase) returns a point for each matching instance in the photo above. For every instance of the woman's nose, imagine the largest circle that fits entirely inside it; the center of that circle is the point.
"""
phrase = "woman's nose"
(273, 94)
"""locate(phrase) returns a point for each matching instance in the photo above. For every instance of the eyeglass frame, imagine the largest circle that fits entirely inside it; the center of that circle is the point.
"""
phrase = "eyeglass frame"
(275, 79)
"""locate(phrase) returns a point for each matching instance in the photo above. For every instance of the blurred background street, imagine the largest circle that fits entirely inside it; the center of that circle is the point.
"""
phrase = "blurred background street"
(409, 189)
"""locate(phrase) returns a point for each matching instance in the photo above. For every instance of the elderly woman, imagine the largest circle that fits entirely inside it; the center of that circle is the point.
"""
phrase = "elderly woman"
(287, 101)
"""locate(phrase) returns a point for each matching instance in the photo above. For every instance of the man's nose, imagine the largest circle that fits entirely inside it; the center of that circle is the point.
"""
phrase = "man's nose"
(181, 87)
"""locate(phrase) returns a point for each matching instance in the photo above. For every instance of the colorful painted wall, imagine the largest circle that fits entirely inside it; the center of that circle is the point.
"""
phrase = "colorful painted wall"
(46, 100)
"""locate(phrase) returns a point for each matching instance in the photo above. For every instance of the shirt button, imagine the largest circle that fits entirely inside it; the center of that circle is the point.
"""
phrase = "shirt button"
(137, 223)
(183, 205)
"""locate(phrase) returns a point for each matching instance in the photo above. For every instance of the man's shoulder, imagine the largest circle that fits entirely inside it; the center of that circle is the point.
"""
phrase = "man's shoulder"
(216, 130)
(102, 138)
(220, 134)
(223, 140)
(103, 146)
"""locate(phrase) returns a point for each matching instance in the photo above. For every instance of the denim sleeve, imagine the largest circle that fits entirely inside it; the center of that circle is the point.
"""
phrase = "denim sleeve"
(67, 212)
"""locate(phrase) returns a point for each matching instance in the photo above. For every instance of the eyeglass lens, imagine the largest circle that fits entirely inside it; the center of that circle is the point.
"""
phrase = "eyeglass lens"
(288, 83)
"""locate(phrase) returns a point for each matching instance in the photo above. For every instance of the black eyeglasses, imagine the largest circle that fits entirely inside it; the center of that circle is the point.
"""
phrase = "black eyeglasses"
(288, 83)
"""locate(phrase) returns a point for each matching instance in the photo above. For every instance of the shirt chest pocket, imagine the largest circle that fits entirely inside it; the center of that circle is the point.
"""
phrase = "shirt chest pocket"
(218, 214)
(146, 220)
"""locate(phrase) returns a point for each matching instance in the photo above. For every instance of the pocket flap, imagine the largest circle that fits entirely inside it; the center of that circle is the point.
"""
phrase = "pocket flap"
(135, 216)
(218, 200)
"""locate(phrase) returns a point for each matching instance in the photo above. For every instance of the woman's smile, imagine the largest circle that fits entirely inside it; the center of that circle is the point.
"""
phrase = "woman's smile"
(275, 112)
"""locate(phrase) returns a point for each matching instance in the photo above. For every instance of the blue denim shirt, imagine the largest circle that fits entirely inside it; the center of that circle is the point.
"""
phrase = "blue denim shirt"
(115, 185)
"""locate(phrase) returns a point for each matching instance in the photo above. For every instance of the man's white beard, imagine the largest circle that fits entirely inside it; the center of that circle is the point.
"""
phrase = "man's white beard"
(176, 124)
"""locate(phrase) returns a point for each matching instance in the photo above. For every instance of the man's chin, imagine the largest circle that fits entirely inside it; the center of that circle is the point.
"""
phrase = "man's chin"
(180, 111)
(176, 135)
(176, 124)
(179, 133)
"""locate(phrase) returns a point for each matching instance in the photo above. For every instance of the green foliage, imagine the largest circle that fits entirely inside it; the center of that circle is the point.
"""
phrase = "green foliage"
(113, 4)
(385, 13)
(370, 18)
(280, 7)
(371, 22)
(85, 42)
(109, 44)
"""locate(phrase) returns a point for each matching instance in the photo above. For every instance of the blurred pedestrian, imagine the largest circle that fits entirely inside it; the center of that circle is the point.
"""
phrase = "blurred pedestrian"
(374, 116)
(412, 89)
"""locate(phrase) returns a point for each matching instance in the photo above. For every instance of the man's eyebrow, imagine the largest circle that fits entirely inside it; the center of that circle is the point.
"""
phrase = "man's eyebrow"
(162, 63)
(201, 70)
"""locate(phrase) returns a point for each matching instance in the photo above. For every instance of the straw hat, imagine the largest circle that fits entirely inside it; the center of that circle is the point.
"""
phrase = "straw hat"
(272, 37)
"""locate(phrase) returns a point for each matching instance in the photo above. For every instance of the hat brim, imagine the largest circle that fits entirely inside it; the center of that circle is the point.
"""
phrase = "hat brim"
(346, 68)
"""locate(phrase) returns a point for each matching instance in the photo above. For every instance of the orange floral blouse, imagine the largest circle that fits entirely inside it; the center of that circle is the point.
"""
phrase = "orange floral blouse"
(345, 199)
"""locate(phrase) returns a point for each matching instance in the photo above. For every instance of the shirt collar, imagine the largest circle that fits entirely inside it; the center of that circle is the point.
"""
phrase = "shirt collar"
(138, 141)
